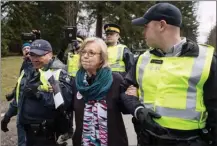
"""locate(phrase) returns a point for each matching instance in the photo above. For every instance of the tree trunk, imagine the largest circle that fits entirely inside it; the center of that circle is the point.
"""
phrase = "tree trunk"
(99, 21)
(71, 12)
(99, 26)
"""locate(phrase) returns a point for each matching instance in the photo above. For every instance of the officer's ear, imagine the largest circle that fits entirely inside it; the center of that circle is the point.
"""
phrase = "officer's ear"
(118, 35)
(163, 25)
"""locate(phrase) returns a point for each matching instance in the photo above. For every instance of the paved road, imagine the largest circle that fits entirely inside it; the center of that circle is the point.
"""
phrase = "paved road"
(11, 135)
(130, 130)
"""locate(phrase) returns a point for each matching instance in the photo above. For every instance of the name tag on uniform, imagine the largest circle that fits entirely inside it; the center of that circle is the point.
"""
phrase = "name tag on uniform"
(156, 61)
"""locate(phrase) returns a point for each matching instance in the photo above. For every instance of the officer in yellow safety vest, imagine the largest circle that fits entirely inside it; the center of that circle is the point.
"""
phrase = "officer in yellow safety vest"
(119, 56)
(71, 57)
(13, 106)
(176, 82)
(45, 97)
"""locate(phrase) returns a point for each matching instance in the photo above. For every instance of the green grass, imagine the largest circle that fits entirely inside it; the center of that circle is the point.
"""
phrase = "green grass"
(10, 67)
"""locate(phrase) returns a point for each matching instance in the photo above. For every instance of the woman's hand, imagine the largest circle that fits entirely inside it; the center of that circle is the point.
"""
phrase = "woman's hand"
(131, 90)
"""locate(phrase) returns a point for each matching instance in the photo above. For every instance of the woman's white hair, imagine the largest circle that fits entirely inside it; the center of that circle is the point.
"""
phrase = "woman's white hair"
(102, 47)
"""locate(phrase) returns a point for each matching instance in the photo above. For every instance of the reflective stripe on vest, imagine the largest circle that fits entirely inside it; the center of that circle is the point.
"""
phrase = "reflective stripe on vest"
(43, 87)
(45, 84)
(18, 85)
(115, 57)
(72, 64)
(174, 87)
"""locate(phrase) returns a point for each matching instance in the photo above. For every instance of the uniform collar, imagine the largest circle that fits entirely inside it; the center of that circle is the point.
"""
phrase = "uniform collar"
(176, 49)
(185, 47)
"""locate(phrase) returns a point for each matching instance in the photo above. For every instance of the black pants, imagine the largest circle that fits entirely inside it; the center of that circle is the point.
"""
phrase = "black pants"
(71, 130)
(146, 139)
(40, 136)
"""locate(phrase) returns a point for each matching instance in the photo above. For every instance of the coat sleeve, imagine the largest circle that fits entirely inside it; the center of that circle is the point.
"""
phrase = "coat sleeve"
(130, 78)
(66, 86)
(128, 59)
(12, 111)
(210, 100)
(127, 104)
(130, 102)
(117, 79)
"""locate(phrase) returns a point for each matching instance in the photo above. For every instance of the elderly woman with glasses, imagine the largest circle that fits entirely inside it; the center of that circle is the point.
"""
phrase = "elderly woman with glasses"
(97, 105)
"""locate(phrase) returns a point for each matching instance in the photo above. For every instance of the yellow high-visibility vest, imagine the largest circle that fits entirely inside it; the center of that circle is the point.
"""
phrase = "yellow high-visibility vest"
(45, 83)
(115, 58)
(72, 64)
(173, 87)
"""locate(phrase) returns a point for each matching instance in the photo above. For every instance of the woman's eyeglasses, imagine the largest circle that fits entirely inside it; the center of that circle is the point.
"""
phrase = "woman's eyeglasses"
(90, 54)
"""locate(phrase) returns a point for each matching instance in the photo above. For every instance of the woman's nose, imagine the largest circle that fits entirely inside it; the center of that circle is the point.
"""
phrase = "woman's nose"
(86, 55)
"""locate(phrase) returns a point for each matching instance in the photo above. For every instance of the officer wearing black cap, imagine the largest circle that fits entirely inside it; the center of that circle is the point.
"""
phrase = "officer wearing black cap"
(13, 108)
(45, 96)
(120, 57)
(176, 82)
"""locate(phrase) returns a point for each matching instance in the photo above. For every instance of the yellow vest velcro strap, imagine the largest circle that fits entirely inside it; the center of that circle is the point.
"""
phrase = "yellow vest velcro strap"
(45, 75)
(43, 88)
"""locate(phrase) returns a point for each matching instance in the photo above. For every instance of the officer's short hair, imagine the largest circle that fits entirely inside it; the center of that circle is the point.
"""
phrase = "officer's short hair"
(103, 49)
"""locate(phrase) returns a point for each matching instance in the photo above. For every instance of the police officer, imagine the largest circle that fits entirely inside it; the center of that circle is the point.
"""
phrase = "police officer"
(120, 57)
(45, 96)
(26, 61)
(64, 52)
(25, 50)
(71, 59)
(13, 108)
(27, 65)
(177, 83)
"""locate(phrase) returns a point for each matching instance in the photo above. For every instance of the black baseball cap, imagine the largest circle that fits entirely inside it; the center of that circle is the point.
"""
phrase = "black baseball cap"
(161, 11)
(40, 47)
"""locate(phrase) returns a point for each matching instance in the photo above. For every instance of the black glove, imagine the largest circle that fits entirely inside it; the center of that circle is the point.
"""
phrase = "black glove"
(31, 90)
(10, 96)
(146, 116)
(4, 123)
